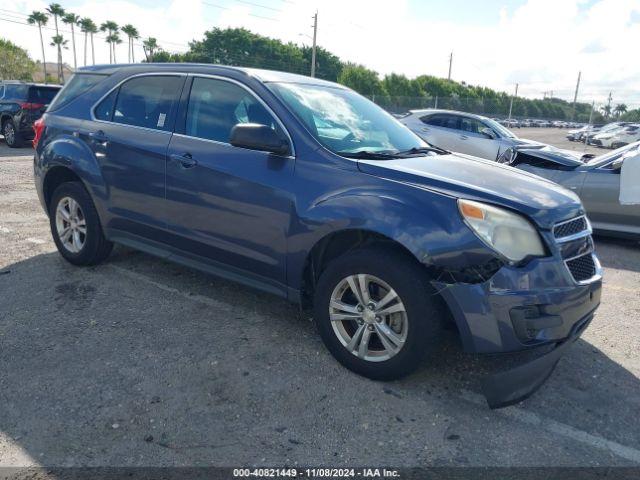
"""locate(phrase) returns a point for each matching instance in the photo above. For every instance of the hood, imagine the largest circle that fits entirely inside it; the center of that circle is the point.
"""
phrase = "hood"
(523, 141)
(463, 176)
(567, 158)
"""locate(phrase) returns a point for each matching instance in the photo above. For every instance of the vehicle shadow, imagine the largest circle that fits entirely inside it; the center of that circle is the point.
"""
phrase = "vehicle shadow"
(5, 151)
(619, 253)
(142, 362)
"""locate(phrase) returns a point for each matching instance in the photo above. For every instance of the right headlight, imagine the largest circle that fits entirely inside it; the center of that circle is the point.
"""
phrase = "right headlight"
(507, 156)
(508, 233)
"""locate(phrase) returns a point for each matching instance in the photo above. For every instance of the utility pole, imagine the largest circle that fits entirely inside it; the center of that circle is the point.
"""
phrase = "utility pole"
(511, 104)
(450, 63)
(313, 50)
(586, 137)
(575, 97)
(609, 104)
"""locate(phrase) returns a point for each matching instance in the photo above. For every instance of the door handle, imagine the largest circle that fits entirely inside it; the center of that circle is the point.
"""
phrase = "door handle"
(185, 160)
(425, 129)
(463, 137)
(98, 136)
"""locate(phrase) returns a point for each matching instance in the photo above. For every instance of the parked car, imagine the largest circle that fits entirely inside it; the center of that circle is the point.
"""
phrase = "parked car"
(462, 132)
(578, 135)
(21, 104)
(242, 173)
(619, 137)
(595, 179)
(605, 129)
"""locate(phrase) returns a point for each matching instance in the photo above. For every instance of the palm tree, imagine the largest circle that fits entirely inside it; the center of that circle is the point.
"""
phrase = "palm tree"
(59, 42)
(92, 28)
(606, 109)
(620, 109)
(150, 46)
(115, 40)
(40, 19)
(85, 26)
(110, 27)
(55, 10)
(132, 34)
(73, 20)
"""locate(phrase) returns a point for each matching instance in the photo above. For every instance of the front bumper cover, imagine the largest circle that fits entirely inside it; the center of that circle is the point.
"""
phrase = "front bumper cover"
(510, 387)
(520, 309)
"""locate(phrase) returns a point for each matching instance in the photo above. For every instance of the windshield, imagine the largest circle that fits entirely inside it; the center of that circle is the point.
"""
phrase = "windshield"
(345, 122)
(607, 157)
(502, 131)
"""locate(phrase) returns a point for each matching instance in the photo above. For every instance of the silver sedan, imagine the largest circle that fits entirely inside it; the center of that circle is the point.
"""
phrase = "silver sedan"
(462, 132)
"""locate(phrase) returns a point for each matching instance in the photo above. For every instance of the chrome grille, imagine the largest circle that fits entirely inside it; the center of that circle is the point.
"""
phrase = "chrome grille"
(571, 228)
(582, 268)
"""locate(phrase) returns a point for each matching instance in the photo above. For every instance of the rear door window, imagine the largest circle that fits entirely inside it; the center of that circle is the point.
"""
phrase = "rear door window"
(441, 120)
(148, 102)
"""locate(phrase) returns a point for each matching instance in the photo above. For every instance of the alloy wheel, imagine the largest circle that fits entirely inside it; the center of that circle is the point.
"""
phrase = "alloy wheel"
(368, 317)
(71, 225)
(9, 133)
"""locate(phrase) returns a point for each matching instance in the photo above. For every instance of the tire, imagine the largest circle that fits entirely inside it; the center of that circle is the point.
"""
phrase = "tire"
(11, 135)
(92, 247)
(421, 325)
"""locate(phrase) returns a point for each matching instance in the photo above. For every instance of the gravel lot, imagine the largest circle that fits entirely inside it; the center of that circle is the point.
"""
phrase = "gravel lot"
(139, 362)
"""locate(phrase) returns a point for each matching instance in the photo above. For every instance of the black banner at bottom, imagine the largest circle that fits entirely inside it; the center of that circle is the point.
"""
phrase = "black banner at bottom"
(215, 473)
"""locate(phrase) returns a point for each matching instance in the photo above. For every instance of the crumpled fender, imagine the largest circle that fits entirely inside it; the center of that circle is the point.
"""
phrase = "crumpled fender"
(426, 223)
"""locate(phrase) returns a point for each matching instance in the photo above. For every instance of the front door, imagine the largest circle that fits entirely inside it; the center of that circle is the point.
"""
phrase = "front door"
(229, 205)
(472, 141)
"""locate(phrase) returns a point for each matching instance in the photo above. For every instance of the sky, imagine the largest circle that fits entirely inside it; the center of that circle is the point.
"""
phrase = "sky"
(539, 44)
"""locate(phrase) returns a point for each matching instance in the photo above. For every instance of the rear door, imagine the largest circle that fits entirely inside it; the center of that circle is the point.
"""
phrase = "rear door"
(440, 130)
(229, 205)
(129, 135)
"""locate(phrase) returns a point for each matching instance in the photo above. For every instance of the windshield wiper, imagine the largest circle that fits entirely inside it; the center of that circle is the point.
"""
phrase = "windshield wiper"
(369, 155)
(417, 150)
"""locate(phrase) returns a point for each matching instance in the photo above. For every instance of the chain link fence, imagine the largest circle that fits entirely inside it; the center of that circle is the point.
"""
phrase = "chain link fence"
(496, 107)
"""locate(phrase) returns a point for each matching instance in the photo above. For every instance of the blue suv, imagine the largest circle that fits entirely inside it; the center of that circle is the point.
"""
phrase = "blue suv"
(305, 189)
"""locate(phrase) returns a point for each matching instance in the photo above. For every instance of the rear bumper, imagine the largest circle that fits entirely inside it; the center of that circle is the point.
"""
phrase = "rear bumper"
(520, 309)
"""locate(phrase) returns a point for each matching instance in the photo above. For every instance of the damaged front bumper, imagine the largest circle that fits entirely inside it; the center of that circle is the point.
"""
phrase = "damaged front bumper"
(521, 308)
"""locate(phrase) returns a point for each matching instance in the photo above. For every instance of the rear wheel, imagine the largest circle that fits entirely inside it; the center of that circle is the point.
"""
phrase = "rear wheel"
(75, 226)
(11, 135)
(377, 312)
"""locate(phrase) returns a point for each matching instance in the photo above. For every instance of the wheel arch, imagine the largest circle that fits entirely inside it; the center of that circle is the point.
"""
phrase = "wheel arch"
(55, 177)
(66, 158)
(336, 244)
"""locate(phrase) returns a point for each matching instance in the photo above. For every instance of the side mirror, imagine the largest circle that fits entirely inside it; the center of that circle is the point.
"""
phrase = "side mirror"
(258, 137)
(489, 133)
(617, 164)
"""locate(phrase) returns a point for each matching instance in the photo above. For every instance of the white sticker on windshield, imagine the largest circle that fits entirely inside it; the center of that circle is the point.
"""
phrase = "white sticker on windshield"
(161, 119)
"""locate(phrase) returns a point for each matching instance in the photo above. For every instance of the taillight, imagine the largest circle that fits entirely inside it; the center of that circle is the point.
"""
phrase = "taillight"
(31, 106)
(38, 128)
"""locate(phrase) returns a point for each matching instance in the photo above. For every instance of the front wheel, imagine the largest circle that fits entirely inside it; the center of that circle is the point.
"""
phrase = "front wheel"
(377, 312)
